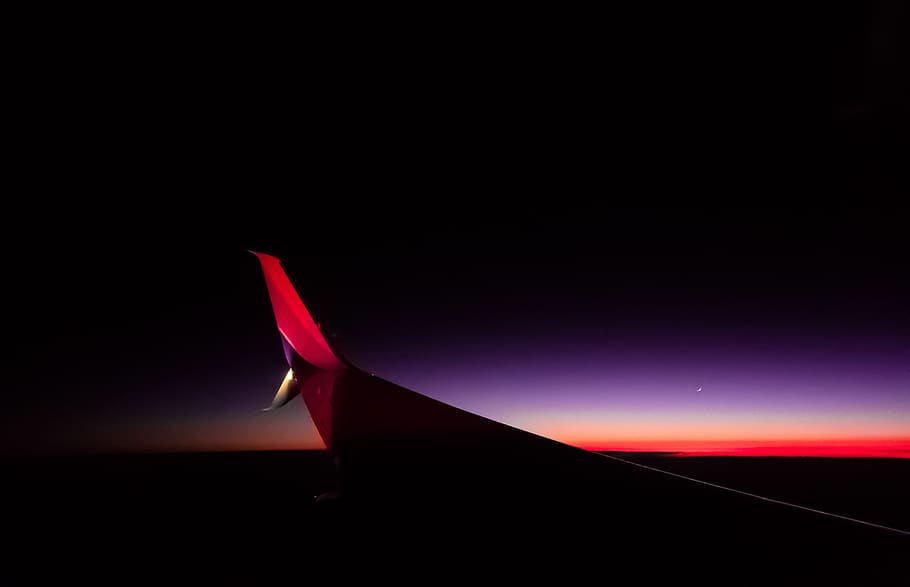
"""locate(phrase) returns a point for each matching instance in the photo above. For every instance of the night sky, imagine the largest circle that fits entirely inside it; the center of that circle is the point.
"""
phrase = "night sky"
(573, 247)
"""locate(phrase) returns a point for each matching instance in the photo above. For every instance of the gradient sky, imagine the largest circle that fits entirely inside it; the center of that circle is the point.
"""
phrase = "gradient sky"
(572, 245)
(594, 327)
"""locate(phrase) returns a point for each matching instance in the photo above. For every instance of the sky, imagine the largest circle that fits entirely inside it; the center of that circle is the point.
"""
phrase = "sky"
(572, 246)
(594, 326)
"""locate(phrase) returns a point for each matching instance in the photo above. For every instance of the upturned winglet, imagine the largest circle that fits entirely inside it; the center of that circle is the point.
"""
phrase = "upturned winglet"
(294, 321)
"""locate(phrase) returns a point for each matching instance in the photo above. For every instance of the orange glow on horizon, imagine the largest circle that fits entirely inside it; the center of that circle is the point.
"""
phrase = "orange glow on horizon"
(293, 429)
(284, 429)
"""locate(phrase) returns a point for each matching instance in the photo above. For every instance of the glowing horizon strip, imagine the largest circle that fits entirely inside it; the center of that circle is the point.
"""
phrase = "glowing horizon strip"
(761, 497)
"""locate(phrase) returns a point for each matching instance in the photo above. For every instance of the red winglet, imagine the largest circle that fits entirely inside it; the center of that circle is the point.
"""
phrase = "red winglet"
(294, 322)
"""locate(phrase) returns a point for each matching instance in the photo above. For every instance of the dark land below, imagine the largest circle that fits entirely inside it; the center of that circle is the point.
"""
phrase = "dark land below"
(254, 516)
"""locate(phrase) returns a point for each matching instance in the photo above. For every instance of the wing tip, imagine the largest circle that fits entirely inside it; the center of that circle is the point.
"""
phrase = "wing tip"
(263, 256)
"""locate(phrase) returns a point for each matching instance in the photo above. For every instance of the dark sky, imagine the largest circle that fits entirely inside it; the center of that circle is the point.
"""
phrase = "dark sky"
(630, 190)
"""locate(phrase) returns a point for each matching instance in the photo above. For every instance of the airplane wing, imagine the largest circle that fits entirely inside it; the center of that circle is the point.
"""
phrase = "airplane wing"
(405, 458)
(388, 440)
